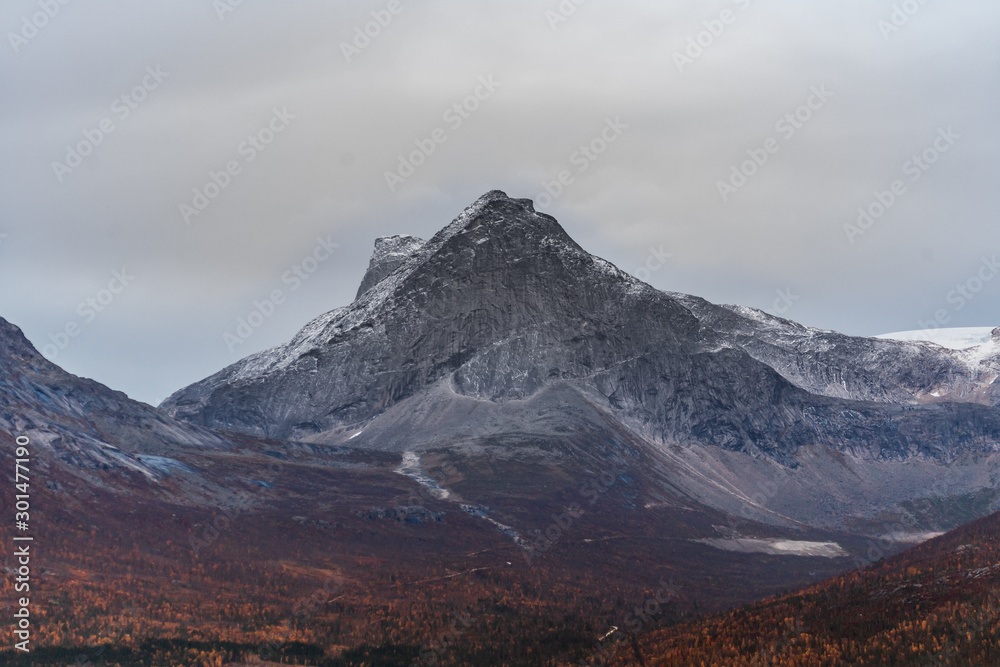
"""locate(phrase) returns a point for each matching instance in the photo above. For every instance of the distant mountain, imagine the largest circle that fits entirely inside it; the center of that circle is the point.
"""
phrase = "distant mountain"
(503, 316)
(936, 604)
(83, 427)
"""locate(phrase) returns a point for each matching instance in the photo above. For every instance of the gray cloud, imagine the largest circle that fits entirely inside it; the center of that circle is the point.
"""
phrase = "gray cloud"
(654, 187)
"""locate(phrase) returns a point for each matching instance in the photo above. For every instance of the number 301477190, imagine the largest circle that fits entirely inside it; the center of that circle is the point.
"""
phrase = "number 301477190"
(21, 481)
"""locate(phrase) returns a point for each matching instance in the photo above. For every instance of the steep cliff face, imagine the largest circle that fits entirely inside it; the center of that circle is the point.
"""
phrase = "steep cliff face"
(391, 252)
(502, 305)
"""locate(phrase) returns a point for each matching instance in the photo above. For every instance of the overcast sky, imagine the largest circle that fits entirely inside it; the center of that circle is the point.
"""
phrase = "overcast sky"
(687, 91)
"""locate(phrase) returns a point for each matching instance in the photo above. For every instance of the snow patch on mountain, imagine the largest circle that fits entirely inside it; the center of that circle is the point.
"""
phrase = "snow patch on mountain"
(777, 547)
(959, 338)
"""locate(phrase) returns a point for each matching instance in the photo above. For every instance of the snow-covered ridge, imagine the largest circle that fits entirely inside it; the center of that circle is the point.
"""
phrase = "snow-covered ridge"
(959, 338)
(274, 358)
(399, 245)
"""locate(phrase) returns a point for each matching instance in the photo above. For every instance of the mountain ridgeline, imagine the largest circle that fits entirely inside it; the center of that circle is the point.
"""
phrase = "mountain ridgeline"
(82, 426)
(506, 426)
(502, 305)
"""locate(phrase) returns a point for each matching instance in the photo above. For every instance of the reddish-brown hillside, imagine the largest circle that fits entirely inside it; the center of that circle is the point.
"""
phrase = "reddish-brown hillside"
(936, 604)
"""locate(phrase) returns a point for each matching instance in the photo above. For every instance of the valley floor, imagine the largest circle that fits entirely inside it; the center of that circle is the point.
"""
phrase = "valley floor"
(344, 561)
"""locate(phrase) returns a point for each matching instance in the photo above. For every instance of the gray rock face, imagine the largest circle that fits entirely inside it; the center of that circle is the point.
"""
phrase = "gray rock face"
(391, 252)
(831, 364)
(501, 305)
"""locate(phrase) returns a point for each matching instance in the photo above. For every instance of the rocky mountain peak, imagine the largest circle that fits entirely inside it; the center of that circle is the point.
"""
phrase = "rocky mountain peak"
(996, 334)
(495, 226)
(501, 307)
(8, 332)
(390, 253)
(13, 345)
(500, 219)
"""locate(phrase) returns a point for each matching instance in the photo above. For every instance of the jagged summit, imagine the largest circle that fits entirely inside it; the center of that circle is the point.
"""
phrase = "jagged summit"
(498, 266)
(467, 296)
(13, 342)
(493, 223)
(507, 224)
(390, 253)
(497, 199)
